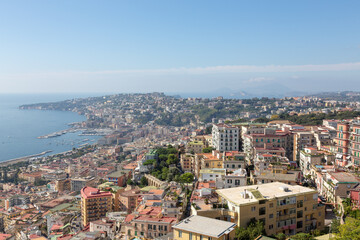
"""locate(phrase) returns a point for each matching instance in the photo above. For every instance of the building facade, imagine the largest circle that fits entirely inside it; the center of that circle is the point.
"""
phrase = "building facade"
(283, 208)
(94, 204)
(225, 137)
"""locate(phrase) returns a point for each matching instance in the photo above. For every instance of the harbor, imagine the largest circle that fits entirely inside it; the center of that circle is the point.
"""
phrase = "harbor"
(23, 159)
(84, 132)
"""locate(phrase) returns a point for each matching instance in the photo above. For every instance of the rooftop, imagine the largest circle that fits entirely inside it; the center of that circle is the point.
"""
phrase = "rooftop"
(344, 177)
(118, 173)
(213, 170)
(89, 192)
(268, 191)
(205, 226)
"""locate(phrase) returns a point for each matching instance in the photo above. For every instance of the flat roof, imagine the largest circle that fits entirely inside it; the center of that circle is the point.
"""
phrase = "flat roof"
(118, 173)
(267, 190)
(205, 226)
(213, 170)
(345, 177)
(90, 192)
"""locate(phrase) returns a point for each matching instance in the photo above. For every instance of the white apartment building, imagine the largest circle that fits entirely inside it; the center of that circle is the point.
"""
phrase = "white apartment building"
(225, 137)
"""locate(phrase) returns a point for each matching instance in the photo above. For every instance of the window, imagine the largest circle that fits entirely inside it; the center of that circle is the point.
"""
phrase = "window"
(299, 214)
(165, 228)
(180, 233)
(299, 224)
(253, 209)
(300, 203)
(292, 210)
(271, 226)
(190, 236)
(271, 205)
(271, 215)
(315, 196)
(262, 211)
(201, 237)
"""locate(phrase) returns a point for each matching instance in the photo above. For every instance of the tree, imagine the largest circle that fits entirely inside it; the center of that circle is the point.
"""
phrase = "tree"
(254, 229)
(162, 157)
(302, 236)
(143, 181)
(172, 159)
(281, 236)
(349, 230)
(130, 182)
(149, 162)
(335, 225)
(207, 150)
(187, 178)
(209, 129)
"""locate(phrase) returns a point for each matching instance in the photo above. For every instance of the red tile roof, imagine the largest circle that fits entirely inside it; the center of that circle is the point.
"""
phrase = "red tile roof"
(89, 192)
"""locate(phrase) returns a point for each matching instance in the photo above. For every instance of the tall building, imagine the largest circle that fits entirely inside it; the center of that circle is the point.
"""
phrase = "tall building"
(347, 143)
(355, 143)
(94, 204)
(342, 142)
(283, 208)
(225, 137)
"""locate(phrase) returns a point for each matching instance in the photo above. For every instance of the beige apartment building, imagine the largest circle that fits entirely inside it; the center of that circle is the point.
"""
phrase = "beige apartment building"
(94, 204)
(283, 208)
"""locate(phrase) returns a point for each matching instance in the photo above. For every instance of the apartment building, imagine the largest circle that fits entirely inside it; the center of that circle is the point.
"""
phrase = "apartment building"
(119, 178)
(342, 142)
(355, 143)
(225, 137)
(347, 143)
(270, 138)
(309, 156)
(212, 174)
(233, 161)
(126, 200)
(302, 139)
(207, 160)
(338, 185)
(147, 227)
(283, 208)
(187, 162)
(195, 147)
(94, 204)
(236, 179)
(198, 227)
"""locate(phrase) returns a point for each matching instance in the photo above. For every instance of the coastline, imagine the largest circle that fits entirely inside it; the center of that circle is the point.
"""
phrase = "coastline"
(22, 159)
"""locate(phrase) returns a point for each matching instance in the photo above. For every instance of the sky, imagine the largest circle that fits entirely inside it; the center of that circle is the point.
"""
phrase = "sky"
(179, 46)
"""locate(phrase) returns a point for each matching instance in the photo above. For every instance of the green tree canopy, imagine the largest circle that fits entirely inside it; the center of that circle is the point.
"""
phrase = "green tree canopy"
(187, 178)
(254, 229)
(349, 230)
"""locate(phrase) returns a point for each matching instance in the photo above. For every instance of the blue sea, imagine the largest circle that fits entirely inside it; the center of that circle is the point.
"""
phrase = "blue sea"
(19, 129)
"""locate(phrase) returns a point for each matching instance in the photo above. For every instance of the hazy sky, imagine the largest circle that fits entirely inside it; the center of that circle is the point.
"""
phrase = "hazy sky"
(178, 46)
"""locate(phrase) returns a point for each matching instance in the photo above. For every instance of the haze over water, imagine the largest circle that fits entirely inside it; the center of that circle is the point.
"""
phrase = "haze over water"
(19, 129)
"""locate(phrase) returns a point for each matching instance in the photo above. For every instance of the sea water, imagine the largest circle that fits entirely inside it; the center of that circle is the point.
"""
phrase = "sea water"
(19, 129)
